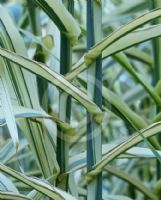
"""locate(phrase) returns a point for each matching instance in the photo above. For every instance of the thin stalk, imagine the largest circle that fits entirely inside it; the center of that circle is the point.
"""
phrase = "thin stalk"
(33, 18)
(39, 56)
(94, 90)
(156, 47)
(156, 42)
(64, 105)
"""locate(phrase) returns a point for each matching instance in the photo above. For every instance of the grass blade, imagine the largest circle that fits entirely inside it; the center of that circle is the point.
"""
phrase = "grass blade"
(38, 184)
(53, 77)
(13, 196)
(61, 17)
(133, 140)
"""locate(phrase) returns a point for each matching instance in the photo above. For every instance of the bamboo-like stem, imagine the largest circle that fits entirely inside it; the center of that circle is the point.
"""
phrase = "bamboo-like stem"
(39, 56)
(33, 18)
(94, 90)
(157, 68)
(156, 46)
(64, 105)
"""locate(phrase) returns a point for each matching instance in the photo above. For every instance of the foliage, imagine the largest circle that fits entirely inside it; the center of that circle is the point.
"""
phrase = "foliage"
(80, 104)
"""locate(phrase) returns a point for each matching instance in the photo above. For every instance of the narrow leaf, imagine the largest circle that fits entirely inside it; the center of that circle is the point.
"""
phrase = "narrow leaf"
(122, 147)
(38, 184)
(55, 78)
(61, 17)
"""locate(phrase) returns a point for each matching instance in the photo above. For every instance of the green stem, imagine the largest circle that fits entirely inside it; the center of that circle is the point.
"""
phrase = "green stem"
(94, 90)
(33, 18)
(157, 69)
(156, 47)
(39, 55)
(64, 105)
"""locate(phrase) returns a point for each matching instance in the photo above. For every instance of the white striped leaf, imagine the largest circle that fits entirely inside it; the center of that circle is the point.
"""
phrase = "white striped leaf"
(55, 78)
(37, 184)
(123, 146)
(61, 17)
(14, 196)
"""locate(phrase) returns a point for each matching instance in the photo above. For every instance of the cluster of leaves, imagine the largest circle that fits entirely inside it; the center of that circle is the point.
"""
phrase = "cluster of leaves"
(80, 122)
